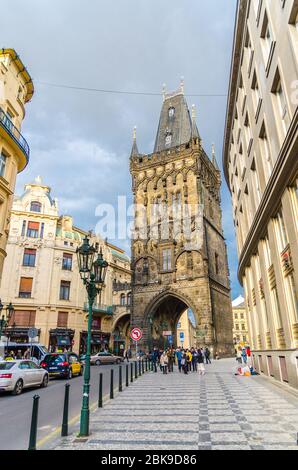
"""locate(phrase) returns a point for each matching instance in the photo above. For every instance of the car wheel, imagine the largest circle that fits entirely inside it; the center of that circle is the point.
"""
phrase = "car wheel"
(97, 362)
(118, 361)
(18, 387)
(45, 381)
(69, 375)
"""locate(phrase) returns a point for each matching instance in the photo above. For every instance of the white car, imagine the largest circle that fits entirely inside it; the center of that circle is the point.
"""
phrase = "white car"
(18, 374)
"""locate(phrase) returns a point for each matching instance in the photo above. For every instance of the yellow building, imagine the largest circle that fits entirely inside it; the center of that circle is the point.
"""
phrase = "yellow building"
(42, 280)
(16, 89)
(240, 327)
(186, 332)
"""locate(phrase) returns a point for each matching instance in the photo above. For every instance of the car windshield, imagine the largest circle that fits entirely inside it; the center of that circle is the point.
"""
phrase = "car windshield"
(54, 359)
(6, 365)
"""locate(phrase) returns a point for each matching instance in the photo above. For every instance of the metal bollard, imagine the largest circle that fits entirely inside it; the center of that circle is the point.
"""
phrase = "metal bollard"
(33, 428)
(64, 427)
(127, 380)
(143, 367)
(100, 391)
(131, 372)
(146, 364)
(136, 370)
(120, 378)
(112, 385)
(140, 370)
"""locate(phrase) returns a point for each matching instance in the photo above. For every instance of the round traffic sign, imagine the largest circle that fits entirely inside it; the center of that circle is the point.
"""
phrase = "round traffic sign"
(136, 334)
(32, 332)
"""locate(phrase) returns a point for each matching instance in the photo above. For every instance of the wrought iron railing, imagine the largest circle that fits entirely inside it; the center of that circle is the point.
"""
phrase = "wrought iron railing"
(100, 308)
(14, 133)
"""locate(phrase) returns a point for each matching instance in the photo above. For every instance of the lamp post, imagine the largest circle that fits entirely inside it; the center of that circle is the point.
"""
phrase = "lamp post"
(164, 325)
(4, 321)
(93, 275)
(150, 342)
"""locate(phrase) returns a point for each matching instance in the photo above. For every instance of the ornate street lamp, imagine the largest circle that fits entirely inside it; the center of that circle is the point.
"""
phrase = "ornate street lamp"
(93, 275)
(5, 318)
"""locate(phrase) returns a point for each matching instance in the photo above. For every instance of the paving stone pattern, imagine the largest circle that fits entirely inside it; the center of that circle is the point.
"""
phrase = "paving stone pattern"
(192, 412)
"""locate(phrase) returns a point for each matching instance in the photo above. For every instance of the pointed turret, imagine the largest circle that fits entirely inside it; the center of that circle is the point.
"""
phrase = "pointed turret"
(134, 150)
(175, 124)
(194, 129)
(214, 158)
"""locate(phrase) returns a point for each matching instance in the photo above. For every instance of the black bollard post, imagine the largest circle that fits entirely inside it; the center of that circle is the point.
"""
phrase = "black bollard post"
(120, 378)
(143, 368)
(100, 391)
(112, 385)
(64, 427)
(146, 364)
(33, 428)
(131, 372)
(136, 370)
(140, 370)
(127, 380)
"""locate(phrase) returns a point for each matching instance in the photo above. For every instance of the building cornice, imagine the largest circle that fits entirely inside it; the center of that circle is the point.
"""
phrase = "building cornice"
(242, 9)
(283, 174)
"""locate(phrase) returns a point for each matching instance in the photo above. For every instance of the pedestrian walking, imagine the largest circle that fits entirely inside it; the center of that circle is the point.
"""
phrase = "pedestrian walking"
(194, 361)
(125, 355)
(201, 368)
(244, 356)
(188, 360)
(164, 360)
(184, 363)
(207, 355)
(179, 355)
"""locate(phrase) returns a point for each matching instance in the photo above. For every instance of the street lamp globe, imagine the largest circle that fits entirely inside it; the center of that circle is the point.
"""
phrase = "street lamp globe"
(85, 254)
(99, 269)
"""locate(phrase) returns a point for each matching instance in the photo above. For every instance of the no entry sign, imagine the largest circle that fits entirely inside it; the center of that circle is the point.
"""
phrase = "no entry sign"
(136, 334)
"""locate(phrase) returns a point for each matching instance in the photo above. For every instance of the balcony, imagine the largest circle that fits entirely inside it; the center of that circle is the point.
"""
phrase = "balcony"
(100, 308)
(15, 135)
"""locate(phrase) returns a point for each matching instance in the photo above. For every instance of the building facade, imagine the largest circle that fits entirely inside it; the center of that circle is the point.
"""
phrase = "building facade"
(179, 256)
(240, 326)
(261, 169)
(16, 89)
(42, 280)
(186, 332)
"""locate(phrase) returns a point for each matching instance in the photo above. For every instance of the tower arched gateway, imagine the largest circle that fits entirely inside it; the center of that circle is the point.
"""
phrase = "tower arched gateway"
(179, 258)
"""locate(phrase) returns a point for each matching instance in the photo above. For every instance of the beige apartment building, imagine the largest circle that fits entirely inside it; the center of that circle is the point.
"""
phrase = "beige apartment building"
(16, 89)
(261, 169)
(240, 326)
(186, 332)
(42, 280)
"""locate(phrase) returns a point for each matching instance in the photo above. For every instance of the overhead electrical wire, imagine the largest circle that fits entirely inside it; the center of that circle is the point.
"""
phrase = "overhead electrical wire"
(123, 92)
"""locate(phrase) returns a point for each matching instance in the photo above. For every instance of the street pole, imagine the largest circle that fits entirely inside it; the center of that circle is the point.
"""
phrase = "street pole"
(85, 412)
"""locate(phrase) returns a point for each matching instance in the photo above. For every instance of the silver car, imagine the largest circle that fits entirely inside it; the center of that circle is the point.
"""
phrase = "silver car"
(18, 374)
(105, 358)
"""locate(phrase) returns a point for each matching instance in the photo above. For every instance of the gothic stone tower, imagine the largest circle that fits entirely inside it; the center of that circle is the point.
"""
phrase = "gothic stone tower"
(170, 274)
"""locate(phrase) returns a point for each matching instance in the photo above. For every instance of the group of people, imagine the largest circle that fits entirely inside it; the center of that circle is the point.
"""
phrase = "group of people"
(187, 360)
(243, 355)
(12, 355)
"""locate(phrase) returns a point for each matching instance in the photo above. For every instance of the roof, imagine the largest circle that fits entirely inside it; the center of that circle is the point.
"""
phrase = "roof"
(121, 255)
(239, 302)
(175, 122)
(22, 71)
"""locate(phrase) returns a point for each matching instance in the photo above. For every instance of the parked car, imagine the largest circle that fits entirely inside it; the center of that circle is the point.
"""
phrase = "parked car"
(37, 350)
(64, 365)
(105, 358)
(19, 374)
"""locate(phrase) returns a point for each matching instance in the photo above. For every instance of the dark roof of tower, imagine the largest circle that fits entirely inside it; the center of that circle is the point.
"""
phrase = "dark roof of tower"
(134, 150)
(176, 126)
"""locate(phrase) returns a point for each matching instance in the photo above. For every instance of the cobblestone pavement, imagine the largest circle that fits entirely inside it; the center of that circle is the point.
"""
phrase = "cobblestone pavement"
(191, 412)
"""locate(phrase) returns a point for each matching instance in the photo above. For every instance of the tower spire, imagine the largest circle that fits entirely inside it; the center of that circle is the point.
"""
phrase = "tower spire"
(214, 157)
(182, 85)
(134, 149)
(194, 128)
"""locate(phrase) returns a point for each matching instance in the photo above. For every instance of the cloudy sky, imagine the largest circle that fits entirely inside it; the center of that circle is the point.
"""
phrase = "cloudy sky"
(80, 140)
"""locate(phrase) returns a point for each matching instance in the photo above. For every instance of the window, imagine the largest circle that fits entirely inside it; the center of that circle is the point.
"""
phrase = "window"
(171, 112)
(23, 228)
(168, 140)
(248, 45)
(265, 152)
(236, 316)
(35, 206)
(62, 320)
(25, 287)
(256, 95)
(29, 257)
(281, 233)
(122, 299)
(129, 299)
(33, 229)
(255, 183)
(67, 261)
(42, 230)
(24, 318)
(167, 260)
(281, 103)
(64, 290)
(2, 164)
(267, 36)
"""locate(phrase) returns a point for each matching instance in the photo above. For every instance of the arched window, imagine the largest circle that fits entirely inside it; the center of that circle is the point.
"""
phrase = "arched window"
(35, 206)
(122, 299)
(129, 298)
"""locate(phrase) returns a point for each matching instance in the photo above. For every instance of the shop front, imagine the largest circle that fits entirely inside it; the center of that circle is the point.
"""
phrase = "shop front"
(16, 334)
(99, 341)
(61, 339)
